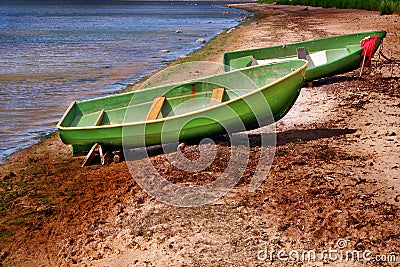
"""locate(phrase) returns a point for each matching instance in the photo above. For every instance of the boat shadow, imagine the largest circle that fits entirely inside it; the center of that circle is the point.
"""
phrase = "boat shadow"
(255, 140)
(292, 136)
(333, 80)
(303, 135)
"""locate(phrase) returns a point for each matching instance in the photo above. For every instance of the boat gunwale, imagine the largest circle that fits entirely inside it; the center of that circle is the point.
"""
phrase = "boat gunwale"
(334, 62)
(306, 42)
(311, 73)
(110, 126)
(66, 112)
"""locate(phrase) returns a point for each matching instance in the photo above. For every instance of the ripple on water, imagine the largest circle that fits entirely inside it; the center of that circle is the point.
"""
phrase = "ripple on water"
(52, 54)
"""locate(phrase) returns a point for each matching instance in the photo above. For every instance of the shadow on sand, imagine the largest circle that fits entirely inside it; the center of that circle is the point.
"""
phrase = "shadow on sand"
(333, 80)
(282, 138)
(291, 136)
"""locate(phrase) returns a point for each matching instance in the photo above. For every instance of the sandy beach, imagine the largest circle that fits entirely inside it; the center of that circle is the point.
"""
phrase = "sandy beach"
(334, 181)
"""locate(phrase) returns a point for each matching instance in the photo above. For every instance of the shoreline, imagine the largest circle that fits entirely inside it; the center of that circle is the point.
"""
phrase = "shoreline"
(195, 55)
(192, 56)
(64, 214)
(110, 75)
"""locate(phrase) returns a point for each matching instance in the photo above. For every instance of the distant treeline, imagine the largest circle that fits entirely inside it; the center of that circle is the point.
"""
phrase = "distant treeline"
(384, 6)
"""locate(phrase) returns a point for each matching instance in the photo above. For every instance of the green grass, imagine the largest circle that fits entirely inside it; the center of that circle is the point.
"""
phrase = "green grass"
(384, 6)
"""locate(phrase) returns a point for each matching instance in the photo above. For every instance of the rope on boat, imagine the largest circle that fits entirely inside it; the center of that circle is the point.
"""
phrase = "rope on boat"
(392, 61)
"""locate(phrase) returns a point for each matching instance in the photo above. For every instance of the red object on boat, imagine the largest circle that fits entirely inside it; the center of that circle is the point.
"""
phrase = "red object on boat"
(368, 44)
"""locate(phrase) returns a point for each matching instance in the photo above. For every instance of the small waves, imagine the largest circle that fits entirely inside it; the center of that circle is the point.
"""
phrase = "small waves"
(55, 52)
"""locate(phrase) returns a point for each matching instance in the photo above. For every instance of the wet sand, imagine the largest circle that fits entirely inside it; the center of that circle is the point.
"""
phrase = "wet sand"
(334, 176)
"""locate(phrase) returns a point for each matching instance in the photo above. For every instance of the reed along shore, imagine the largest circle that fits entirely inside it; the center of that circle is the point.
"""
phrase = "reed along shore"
(383, 6)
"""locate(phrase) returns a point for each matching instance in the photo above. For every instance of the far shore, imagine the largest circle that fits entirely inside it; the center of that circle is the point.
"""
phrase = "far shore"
(334, 177)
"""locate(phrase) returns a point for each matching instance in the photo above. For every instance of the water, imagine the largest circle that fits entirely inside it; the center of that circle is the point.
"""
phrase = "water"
(54, 52)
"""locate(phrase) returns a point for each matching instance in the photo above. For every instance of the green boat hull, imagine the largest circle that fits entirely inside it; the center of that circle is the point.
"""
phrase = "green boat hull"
(333, 55)
(186, 114)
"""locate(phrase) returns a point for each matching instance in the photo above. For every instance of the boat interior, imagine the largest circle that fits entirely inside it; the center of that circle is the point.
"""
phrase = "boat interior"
(315, 59)
(157, 108)
(174, 99)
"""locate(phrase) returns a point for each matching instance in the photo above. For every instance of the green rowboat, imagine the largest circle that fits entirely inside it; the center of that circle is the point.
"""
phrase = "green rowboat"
(326, 56)
(233, 101)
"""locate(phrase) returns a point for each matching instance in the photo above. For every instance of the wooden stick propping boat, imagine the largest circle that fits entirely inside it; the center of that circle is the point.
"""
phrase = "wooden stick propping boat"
(326, 56)
(190, 110)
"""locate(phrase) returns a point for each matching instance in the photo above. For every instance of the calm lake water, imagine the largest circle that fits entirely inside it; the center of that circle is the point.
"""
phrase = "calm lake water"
(54, 52)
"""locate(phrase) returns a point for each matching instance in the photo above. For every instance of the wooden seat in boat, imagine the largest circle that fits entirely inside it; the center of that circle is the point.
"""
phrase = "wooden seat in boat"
(155, 108)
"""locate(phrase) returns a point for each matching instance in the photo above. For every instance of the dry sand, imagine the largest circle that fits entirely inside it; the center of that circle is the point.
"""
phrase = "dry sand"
(334, 177)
